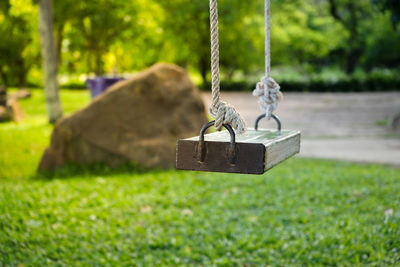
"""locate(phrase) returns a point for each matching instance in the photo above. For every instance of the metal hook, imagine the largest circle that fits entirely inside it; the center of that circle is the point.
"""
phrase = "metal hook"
(276, 118)
(202, 148)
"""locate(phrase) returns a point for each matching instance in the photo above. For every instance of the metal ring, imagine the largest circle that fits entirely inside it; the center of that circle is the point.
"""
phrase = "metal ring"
(276, 118)
(202, 148)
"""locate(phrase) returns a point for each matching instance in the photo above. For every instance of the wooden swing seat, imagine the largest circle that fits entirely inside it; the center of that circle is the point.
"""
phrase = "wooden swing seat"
(252, 153)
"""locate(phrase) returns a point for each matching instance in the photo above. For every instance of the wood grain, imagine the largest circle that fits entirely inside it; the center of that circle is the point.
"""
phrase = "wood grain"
(257, 151)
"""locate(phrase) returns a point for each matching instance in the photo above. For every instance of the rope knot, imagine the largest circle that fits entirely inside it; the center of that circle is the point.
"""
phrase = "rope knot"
(268, 92)
(223, 113)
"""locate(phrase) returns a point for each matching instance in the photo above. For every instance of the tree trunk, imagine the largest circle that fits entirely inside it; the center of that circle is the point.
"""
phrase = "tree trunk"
(4, 77)
(21, 80)
(354, 53)
(231, 72)
(351, 24)
(352, 61)
(21, 73)
(49, 55)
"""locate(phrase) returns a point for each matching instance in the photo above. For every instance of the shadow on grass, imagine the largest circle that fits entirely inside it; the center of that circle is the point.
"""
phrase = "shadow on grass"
(73, 170)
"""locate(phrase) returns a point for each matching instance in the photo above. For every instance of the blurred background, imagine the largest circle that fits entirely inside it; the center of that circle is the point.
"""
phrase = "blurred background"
(338, 65)
(318, 45)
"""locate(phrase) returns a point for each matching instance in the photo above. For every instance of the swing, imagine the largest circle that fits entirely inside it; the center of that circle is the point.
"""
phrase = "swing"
(256, 150)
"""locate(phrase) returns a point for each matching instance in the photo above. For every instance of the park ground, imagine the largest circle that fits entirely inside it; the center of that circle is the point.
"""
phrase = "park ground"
(303, 212)
(344, 126)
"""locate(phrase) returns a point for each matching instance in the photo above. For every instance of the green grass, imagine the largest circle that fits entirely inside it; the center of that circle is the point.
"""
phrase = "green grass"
(22, 144)
(304, 212)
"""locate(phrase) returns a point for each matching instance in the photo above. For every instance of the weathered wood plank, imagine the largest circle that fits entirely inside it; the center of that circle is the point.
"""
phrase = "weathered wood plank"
(257, 151)
(282, 149)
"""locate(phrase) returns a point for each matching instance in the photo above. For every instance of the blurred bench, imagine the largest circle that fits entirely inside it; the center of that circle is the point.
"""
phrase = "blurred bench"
(99, 85)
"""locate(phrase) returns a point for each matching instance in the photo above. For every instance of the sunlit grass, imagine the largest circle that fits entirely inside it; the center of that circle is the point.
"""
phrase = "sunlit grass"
(301, 213)
(22, 144)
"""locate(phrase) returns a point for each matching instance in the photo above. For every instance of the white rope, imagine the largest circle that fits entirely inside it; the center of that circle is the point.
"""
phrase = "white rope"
(267, 90)
(221, 111)
(267, 39)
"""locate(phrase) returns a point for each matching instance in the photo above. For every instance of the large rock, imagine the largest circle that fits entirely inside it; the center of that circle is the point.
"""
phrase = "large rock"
(136, 120)
(23, 93)
(14, 109)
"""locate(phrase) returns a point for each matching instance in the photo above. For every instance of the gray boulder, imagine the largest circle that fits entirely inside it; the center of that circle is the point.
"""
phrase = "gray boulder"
(137, 120)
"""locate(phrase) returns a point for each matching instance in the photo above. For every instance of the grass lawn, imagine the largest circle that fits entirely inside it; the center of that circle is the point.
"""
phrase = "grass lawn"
(303, 212)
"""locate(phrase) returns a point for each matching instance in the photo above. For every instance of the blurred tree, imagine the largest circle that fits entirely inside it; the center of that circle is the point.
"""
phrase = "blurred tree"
(64, 12)
(187, 26)
(242, 36)
(108, 35)
(100, 23)
(118, 35)
(350, 15)
(141, 44)
(302, 33)
(14, 28)
(49, 55)
(393, 6)
(382, 44)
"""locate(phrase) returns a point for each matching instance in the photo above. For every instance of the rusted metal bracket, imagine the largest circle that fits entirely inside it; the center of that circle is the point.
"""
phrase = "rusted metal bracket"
(202, 150)
(276, 118)
(254, 152)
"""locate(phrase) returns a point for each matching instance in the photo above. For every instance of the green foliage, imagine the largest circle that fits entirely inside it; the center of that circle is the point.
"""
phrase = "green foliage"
(393, 6)
(302, 33)
(189, 33)
(116, 36)
(15, 30)
(94, 27)
(382, 45)
(328, 80)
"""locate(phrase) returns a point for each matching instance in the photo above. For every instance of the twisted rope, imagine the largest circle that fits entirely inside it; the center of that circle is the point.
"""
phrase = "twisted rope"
(267, 90)
(221, 111)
